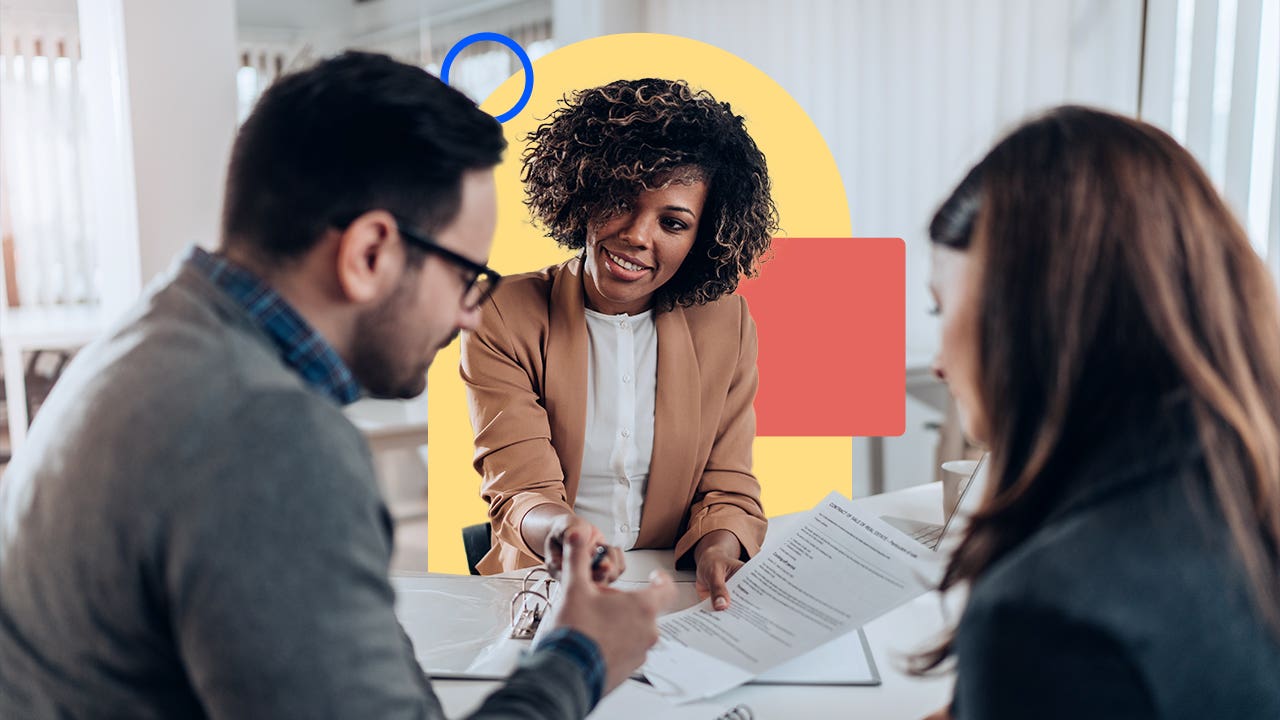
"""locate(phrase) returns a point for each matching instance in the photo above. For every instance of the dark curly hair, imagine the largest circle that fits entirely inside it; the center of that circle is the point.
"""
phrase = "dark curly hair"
(603, 146)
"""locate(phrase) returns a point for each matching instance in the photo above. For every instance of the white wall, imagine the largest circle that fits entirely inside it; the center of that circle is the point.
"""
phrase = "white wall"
(161, 113)
(575, 20)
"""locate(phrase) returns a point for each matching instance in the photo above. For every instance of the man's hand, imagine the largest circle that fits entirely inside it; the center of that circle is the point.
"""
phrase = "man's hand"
(717, 556)
(604, 572)
(622, 624)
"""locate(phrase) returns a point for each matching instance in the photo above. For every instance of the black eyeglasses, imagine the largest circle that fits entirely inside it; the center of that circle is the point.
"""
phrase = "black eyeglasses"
(481, 279)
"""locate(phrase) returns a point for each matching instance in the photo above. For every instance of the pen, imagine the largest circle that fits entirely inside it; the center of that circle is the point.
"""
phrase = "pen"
(599, 556)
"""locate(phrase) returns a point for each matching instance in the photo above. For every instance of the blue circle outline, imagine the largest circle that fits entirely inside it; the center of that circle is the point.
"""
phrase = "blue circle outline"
(511, 45)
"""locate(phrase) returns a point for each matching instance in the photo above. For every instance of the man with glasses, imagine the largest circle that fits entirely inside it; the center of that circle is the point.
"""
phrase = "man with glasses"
(480, 278)
(193, 528)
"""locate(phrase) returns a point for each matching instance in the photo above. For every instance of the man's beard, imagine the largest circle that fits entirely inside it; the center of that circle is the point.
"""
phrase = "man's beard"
(380, 360)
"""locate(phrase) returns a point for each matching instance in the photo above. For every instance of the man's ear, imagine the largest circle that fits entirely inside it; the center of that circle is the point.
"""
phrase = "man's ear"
(369, 261)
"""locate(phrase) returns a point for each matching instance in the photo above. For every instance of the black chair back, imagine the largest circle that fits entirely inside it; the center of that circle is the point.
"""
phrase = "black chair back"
(477, 541)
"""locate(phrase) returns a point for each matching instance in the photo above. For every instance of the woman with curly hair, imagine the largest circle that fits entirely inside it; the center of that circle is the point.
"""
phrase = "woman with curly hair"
(611, 394)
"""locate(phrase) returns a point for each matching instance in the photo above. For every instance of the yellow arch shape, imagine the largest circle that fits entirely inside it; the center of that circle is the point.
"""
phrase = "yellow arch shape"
(795, 473)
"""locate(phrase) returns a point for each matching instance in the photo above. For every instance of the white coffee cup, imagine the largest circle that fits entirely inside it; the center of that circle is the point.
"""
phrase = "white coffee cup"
(956, 472)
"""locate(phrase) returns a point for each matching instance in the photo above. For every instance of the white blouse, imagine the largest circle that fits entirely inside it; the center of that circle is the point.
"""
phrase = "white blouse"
(622, 379)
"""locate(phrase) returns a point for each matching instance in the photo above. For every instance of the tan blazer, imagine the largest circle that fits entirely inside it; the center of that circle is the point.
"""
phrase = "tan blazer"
(525, 368)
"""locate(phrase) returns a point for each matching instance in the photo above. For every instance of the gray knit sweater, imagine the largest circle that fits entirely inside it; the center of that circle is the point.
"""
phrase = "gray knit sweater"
(193, 532)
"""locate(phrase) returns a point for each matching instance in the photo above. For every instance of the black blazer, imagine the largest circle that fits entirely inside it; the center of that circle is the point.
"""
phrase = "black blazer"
(1128, 602)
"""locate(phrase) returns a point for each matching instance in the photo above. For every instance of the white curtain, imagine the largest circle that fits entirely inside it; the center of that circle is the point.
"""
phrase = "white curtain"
(41, 136)
(482, 67)
(1211, 77)
(410, 34)
(261, 62)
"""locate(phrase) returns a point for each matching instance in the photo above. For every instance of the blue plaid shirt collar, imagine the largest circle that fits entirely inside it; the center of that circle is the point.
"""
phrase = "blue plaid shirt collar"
(301, 347)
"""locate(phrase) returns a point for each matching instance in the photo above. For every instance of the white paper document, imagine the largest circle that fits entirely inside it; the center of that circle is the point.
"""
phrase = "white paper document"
(834, 571)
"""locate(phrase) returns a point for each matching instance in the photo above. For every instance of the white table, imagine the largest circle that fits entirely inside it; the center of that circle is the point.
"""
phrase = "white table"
(892, 637)
(65, 327)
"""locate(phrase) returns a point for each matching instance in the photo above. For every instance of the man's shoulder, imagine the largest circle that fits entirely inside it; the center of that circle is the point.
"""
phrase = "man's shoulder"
(180, 371)
(292, 439)
(167, 414)
(184, 334)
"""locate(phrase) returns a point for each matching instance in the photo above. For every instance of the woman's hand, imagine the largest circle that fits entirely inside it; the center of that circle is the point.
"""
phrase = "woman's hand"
(717, 556)
(604, 572)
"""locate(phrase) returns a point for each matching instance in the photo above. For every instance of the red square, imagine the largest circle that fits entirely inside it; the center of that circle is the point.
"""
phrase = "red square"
(831, 316)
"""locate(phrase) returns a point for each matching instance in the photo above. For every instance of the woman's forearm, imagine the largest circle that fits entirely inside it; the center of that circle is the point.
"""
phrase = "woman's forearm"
(541, 522)
(722, 540)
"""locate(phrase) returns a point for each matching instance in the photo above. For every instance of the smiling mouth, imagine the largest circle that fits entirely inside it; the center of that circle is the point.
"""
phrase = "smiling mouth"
(624, 263)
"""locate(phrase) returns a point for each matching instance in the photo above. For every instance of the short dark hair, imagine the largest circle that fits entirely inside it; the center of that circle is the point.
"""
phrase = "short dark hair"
(603, 146)
(353, 133)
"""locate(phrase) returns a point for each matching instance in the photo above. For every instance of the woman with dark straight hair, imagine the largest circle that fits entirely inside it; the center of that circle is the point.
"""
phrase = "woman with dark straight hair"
(1110, 334)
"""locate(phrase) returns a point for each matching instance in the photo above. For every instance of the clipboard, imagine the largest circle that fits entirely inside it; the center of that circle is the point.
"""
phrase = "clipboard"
(846, 660)
(455, 620)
